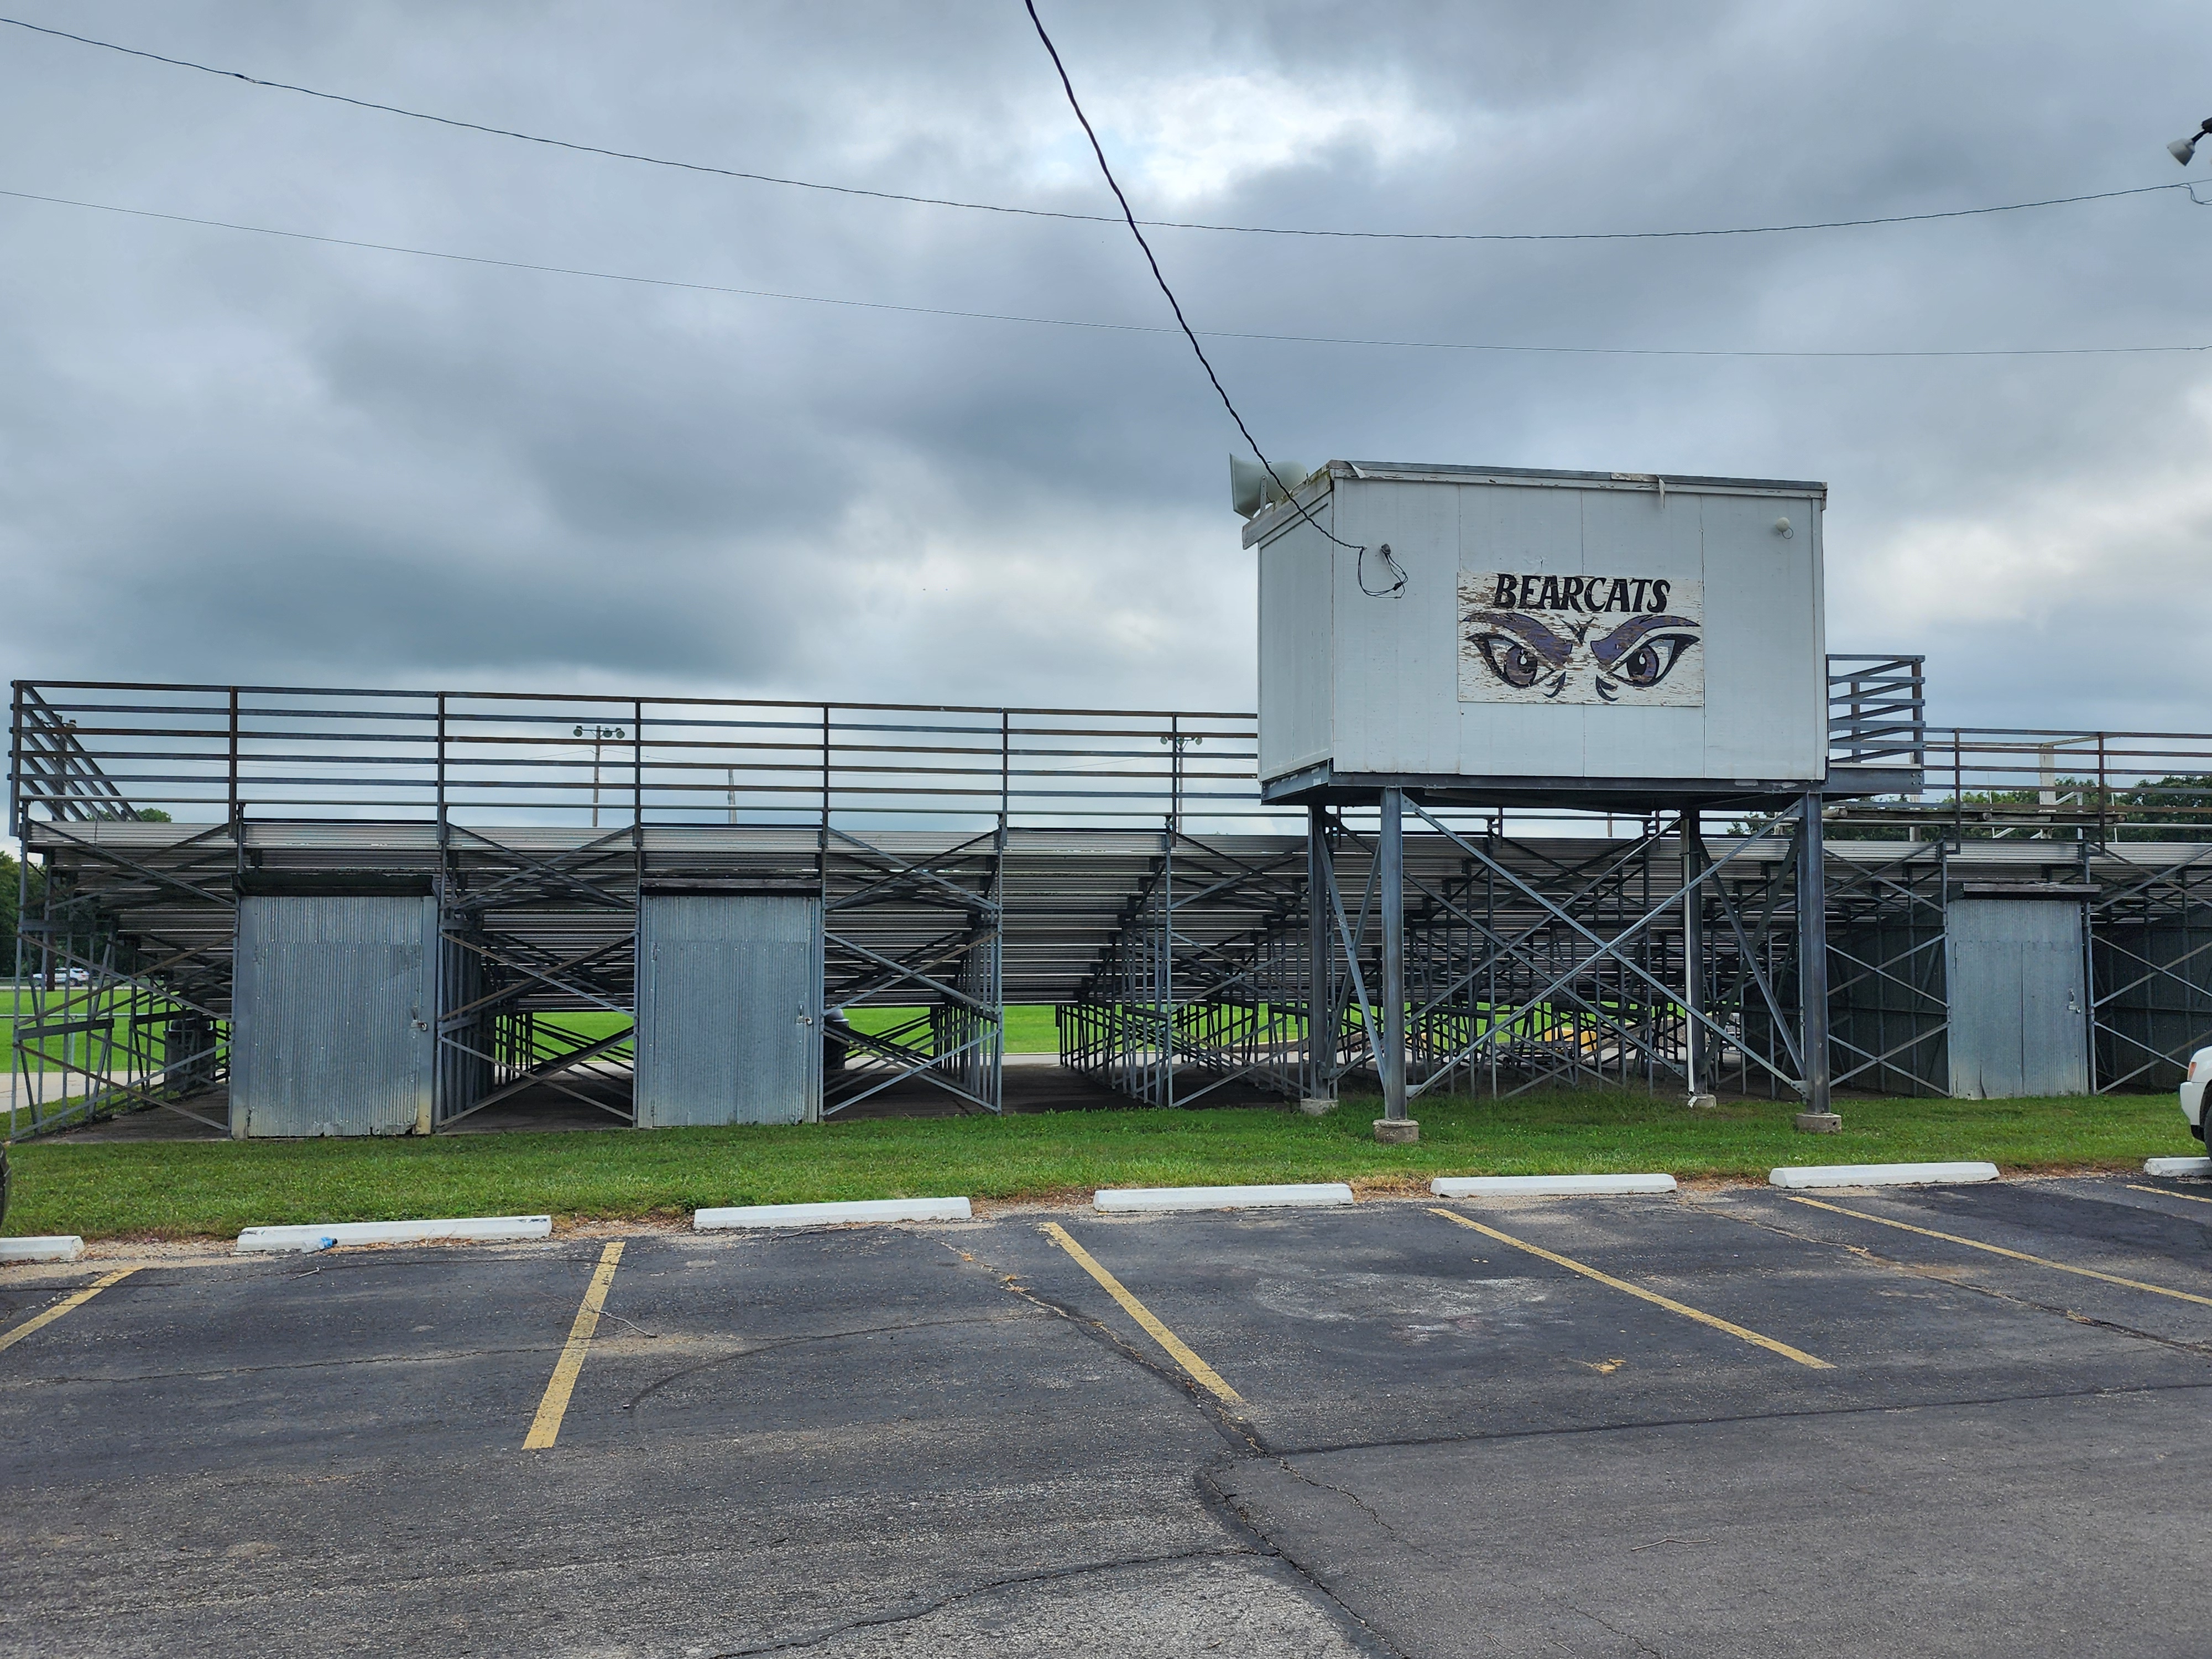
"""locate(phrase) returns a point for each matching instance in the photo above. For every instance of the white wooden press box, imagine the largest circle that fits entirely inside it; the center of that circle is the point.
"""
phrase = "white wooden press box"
(1555, 632)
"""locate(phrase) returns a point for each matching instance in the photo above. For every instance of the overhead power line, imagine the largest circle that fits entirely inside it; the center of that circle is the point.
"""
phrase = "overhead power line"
(1396, 574)
(452, 258)
(582, 149)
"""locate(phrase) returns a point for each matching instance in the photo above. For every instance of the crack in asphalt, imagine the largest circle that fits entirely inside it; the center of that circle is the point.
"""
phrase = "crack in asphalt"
(1604, 1624)
(1232, 1428)
(1731, 1419)
(953, 1598)
(1245, 1443)
(1353, 1498)
(774, 1344)
(439, 1357)
(1234, 1515)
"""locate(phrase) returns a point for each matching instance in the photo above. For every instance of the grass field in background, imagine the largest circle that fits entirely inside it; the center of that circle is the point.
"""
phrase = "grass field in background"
(1030, 1031)
(216, 1188)
(75, 1045)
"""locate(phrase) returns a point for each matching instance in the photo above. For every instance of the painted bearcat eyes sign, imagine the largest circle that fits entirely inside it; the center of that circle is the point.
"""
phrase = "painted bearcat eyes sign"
(1535, 638)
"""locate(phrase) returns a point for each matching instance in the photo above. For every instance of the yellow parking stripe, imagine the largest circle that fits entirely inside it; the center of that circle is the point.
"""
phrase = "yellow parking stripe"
(2016, 1255)
(1203, 1373)
(78, 1300)
(1652, 1297)
(2168, 1192)
(545, 1427)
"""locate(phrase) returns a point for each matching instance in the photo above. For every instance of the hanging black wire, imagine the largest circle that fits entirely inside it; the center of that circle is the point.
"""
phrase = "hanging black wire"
(1397, 581)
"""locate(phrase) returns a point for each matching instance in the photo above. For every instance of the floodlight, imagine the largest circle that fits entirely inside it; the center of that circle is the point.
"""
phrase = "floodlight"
(2183, 150)
(1248, 486)
(1251, 486)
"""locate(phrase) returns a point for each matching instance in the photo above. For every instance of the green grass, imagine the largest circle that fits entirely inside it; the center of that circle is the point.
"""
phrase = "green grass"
(184, 1189)
(77, 1046)
(1030, 1029)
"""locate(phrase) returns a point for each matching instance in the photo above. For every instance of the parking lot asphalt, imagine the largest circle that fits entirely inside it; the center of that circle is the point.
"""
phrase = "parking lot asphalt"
(1967, 1421)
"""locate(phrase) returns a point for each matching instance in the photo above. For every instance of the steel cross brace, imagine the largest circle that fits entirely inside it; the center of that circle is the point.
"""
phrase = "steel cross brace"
(1514, 948)
(1604, 948)
(544, 1073)
(1503, 946)
(454, 1017)
(920, 1063)
(616, 844)
(900, 971)
(928, 872)
(105, 855)
(491, 954)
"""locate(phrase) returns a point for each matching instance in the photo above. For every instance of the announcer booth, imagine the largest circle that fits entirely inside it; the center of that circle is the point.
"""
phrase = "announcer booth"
(1441, 636)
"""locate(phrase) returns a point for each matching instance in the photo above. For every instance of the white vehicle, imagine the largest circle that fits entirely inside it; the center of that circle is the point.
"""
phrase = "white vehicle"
(2192, 1091)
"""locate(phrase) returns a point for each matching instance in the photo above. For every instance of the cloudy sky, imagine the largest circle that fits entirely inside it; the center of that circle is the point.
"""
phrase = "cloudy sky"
(226, 456)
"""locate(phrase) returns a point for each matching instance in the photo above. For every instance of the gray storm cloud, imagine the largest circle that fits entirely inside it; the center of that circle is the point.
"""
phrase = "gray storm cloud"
(233, 457)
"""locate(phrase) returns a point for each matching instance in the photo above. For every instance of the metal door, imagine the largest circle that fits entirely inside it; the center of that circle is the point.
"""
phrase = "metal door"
(729, 1009)
(331, 1011)
(2018, 1025)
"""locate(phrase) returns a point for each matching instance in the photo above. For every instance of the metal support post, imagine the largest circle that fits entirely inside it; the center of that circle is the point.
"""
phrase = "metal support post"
(1813, 967)
(1696, 1069)
(1320, 967)
(1391, 899)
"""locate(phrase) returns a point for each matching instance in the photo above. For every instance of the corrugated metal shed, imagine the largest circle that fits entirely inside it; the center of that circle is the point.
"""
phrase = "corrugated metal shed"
(729, 1009)
(334, 1002)
(2014, 970)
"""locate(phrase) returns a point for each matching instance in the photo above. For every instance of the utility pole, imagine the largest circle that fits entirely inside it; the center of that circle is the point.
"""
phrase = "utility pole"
(599, 734)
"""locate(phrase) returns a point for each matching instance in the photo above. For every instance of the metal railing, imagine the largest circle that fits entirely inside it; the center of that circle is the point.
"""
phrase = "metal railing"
(1877, 710)
(106, 750)
(2096, 786)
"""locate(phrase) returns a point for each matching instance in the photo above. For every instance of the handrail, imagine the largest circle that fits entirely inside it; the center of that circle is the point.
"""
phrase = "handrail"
(48, 751)
(1877, 710)
(89, 749)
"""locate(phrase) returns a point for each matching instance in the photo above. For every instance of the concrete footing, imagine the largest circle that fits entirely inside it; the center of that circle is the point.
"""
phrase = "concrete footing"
(1820, 1123)
(2178, 1166)
(323, 1236)
(1884, 1175)
(1703, 1103)
(1317, 1105)
(830, 1215)
(1397, 1131)
(1309, 1194)
(1547, 1186)
(53, 1247)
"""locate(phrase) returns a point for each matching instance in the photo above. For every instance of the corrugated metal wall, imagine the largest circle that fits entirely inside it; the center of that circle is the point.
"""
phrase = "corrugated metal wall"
(729, 1009)
(2014, 969)
(332, 1020)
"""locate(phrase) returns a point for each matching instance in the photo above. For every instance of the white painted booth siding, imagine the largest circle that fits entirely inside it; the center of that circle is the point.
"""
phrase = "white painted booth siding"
(1370, 685)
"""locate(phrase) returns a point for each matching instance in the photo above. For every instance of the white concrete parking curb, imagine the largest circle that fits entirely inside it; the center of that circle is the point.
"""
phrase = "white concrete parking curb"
(2178, 1166)
(52, 1247)
(1547, 1186)
(819, 1215)
(1884, 1175)
(321, 1235)
(1120, 1200)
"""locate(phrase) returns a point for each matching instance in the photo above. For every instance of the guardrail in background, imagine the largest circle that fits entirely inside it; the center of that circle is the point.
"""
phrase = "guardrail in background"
(1877, 710)
(106, 750)
(88, 751)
